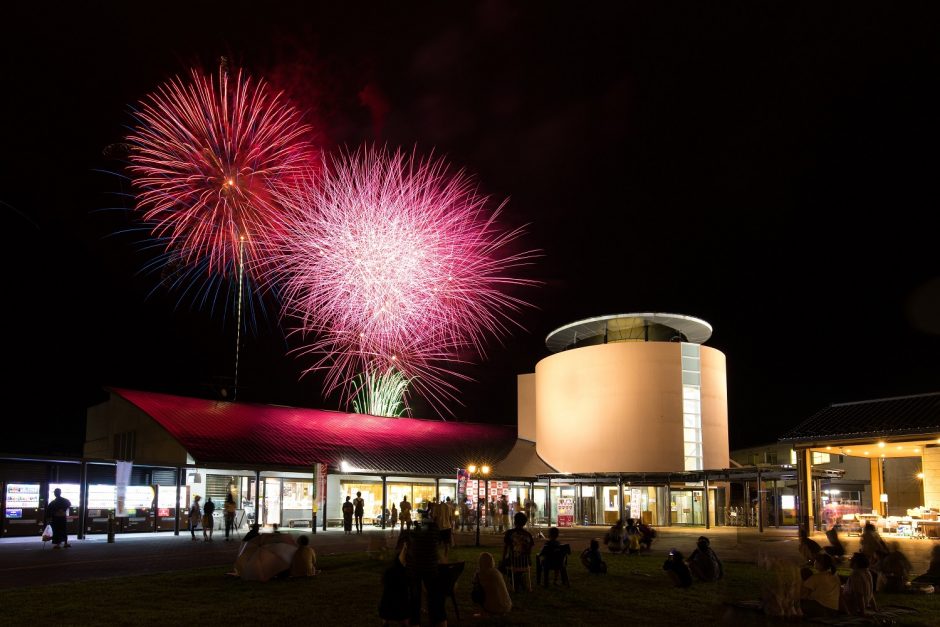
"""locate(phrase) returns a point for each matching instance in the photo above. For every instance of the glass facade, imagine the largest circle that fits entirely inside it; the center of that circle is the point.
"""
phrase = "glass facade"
(692, 406)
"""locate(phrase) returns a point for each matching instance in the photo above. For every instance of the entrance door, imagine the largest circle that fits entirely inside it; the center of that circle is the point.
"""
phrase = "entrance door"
(687, 507)
(271, 506)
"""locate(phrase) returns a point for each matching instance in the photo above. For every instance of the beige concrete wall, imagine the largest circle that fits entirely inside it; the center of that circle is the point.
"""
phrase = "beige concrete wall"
(931, 460)
(715, 451)
(525, 406)
(117, 415)
(618, 407)
(611, 407)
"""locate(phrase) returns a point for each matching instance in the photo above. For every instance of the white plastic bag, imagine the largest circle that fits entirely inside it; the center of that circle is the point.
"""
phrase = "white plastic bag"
(47, 533)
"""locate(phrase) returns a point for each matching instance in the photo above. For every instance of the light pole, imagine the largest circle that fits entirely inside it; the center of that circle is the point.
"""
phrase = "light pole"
(475, 471)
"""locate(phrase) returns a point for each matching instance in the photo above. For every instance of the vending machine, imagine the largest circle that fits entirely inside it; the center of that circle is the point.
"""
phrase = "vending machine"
(72, 492)
(138, 504)
(23, 510)
(101, 502)
(166, 506)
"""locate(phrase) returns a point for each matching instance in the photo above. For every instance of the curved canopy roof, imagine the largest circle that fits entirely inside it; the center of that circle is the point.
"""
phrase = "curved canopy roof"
(695, 330)
(270, 435)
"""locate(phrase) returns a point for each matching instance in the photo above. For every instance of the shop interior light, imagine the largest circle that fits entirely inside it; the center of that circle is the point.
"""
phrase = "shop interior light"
(881, 445)
(920, 475)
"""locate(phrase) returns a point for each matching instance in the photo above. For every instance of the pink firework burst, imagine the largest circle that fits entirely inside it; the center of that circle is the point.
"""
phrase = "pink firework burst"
(207, 157)
(395, 262)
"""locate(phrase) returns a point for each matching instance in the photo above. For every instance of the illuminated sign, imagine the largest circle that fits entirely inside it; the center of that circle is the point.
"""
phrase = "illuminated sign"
(138, 497)
(14, 513)
(22, 495)
(101, 497)
(166, 496)
(70, 491)
(787, 501)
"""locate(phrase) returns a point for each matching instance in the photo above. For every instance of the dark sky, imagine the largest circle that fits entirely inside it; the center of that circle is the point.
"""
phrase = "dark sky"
(769, 168)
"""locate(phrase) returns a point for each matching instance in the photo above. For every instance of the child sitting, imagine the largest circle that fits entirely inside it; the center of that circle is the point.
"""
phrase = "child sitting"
(857, 594)
(592, 560)
(553, 558)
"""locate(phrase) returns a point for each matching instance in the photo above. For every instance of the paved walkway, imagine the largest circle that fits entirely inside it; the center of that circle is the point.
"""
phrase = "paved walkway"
(28, 562)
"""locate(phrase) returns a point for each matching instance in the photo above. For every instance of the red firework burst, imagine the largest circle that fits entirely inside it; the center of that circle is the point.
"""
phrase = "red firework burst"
(207, 157)
(396, 262)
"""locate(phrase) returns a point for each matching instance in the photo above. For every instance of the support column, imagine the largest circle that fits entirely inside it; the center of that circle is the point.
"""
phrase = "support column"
(548, 502)
(668, 500)
(258, 498)
(313, 513)
(384, 498)
(325, 469)
(760, 503)
(807, 511)
(776, 505)
(437, 489)
(577, 504)
(82, 500)
(877, 486)
(705, 496)
(180, 478)
(620, 494)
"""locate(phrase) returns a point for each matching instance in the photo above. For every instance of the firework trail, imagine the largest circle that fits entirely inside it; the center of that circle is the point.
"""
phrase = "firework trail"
(206, 158)
(395, 263)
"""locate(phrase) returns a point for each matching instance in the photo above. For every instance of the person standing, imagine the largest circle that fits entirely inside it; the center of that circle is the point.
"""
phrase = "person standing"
(195, 515)
(394, 518)
(404, 513)
(57, 513)
(359, 507)
(445, 522)
(465, 515)
(208, 523)
(347, 516)
(229, 510)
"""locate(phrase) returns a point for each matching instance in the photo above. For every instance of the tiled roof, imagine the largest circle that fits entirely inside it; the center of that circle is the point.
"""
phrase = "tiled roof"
(268, 435)
(906, 415)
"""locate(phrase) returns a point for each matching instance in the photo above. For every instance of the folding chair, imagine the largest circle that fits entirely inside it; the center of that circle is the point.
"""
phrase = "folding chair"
(519, 564)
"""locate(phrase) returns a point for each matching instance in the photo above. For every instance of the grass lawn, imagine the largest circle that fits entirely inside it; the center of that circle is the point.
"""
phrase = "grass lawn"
(635, 591)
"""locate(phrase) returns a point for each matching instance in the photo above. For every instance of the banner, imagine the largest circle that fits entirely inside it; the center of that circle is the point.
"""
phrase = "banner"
(462, 478)
(565, 511)
(320, 487)
(122, 476)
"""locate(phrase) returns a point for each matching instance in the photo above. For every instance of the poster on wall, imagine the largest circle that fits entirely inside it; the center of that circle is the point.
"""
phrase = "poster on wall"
(463, 477)
(22, 495)
(565, 511)
(319, 487)
(122, 476)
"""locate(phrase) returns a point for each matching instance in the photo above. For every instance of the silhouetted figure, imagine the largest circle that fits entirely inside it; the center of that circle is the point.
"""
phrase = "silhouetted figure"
(893, 569)
(858, 595)
(704, 563)
(489, 588)
(229, 510)
(647, 534)
(393, 605)
(836, 549)
(592, 560)
(808, 547)
(348, 509)
(208, 523)
(932, 576)
(359, 508)
(614, 538)
(553, 559)
(821, 590)
(304, 563)
(254, 532)
(677, 569)
(57, 513)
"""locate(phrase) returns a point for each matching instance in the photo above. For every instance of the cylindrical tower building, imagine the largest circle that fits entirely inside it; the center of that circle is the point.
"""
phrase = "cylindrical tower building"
(629, 393)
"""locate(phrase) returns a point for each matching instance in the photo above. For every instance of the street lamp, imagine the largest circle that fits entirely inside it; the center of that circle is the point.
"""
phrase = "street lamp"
(474, 471)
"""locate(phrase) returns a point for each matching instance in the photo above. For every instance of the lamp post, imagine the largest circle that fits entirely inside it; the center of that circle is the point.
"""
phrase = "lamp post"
(474, 471)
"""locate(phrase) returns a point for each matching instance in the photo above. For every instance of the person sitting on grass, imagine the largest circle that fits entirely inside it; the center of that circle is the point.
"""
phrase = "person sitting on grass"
(820, 592)
(552, 558)
(614, 538)
(808, 547)
(632, 541)
(592, 560)
(489, 588)
(393, 605)
(647, 534)
(858, 593)
(304, 563)
(677, 569)
(893, 570)
(704, 563)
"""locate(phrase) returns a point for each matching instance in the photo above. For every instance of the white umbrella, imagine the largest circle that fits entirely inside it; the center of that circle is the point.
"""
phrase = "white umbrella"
(264, 556)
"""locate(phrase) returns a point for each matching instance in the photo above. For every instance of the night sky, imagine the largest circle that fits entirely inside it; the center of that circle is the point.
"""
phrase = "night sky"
(769, 168)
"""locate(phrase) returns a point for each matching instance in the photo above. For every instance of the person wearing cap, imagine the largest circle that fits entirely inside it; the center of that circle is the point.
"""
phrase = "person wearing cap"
(704, 563)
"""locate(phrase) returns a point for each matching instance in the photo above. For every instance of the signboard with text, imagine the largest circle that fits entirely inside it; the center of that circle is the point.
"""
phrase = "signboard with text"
(565, 511)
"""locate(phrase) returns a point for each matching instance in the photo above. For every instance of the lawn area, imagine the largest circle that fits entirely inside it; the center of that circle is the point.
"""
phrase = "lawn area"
(635, 591)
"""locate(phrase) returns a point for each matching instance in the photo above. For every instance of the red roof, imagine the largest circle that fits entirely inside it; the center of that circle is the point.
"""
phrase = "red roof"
(268, 435)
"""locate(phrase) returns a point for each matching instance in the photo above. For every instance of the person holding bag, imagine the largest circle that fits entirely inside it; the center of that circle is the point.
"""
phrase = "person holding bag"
(57, 515)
